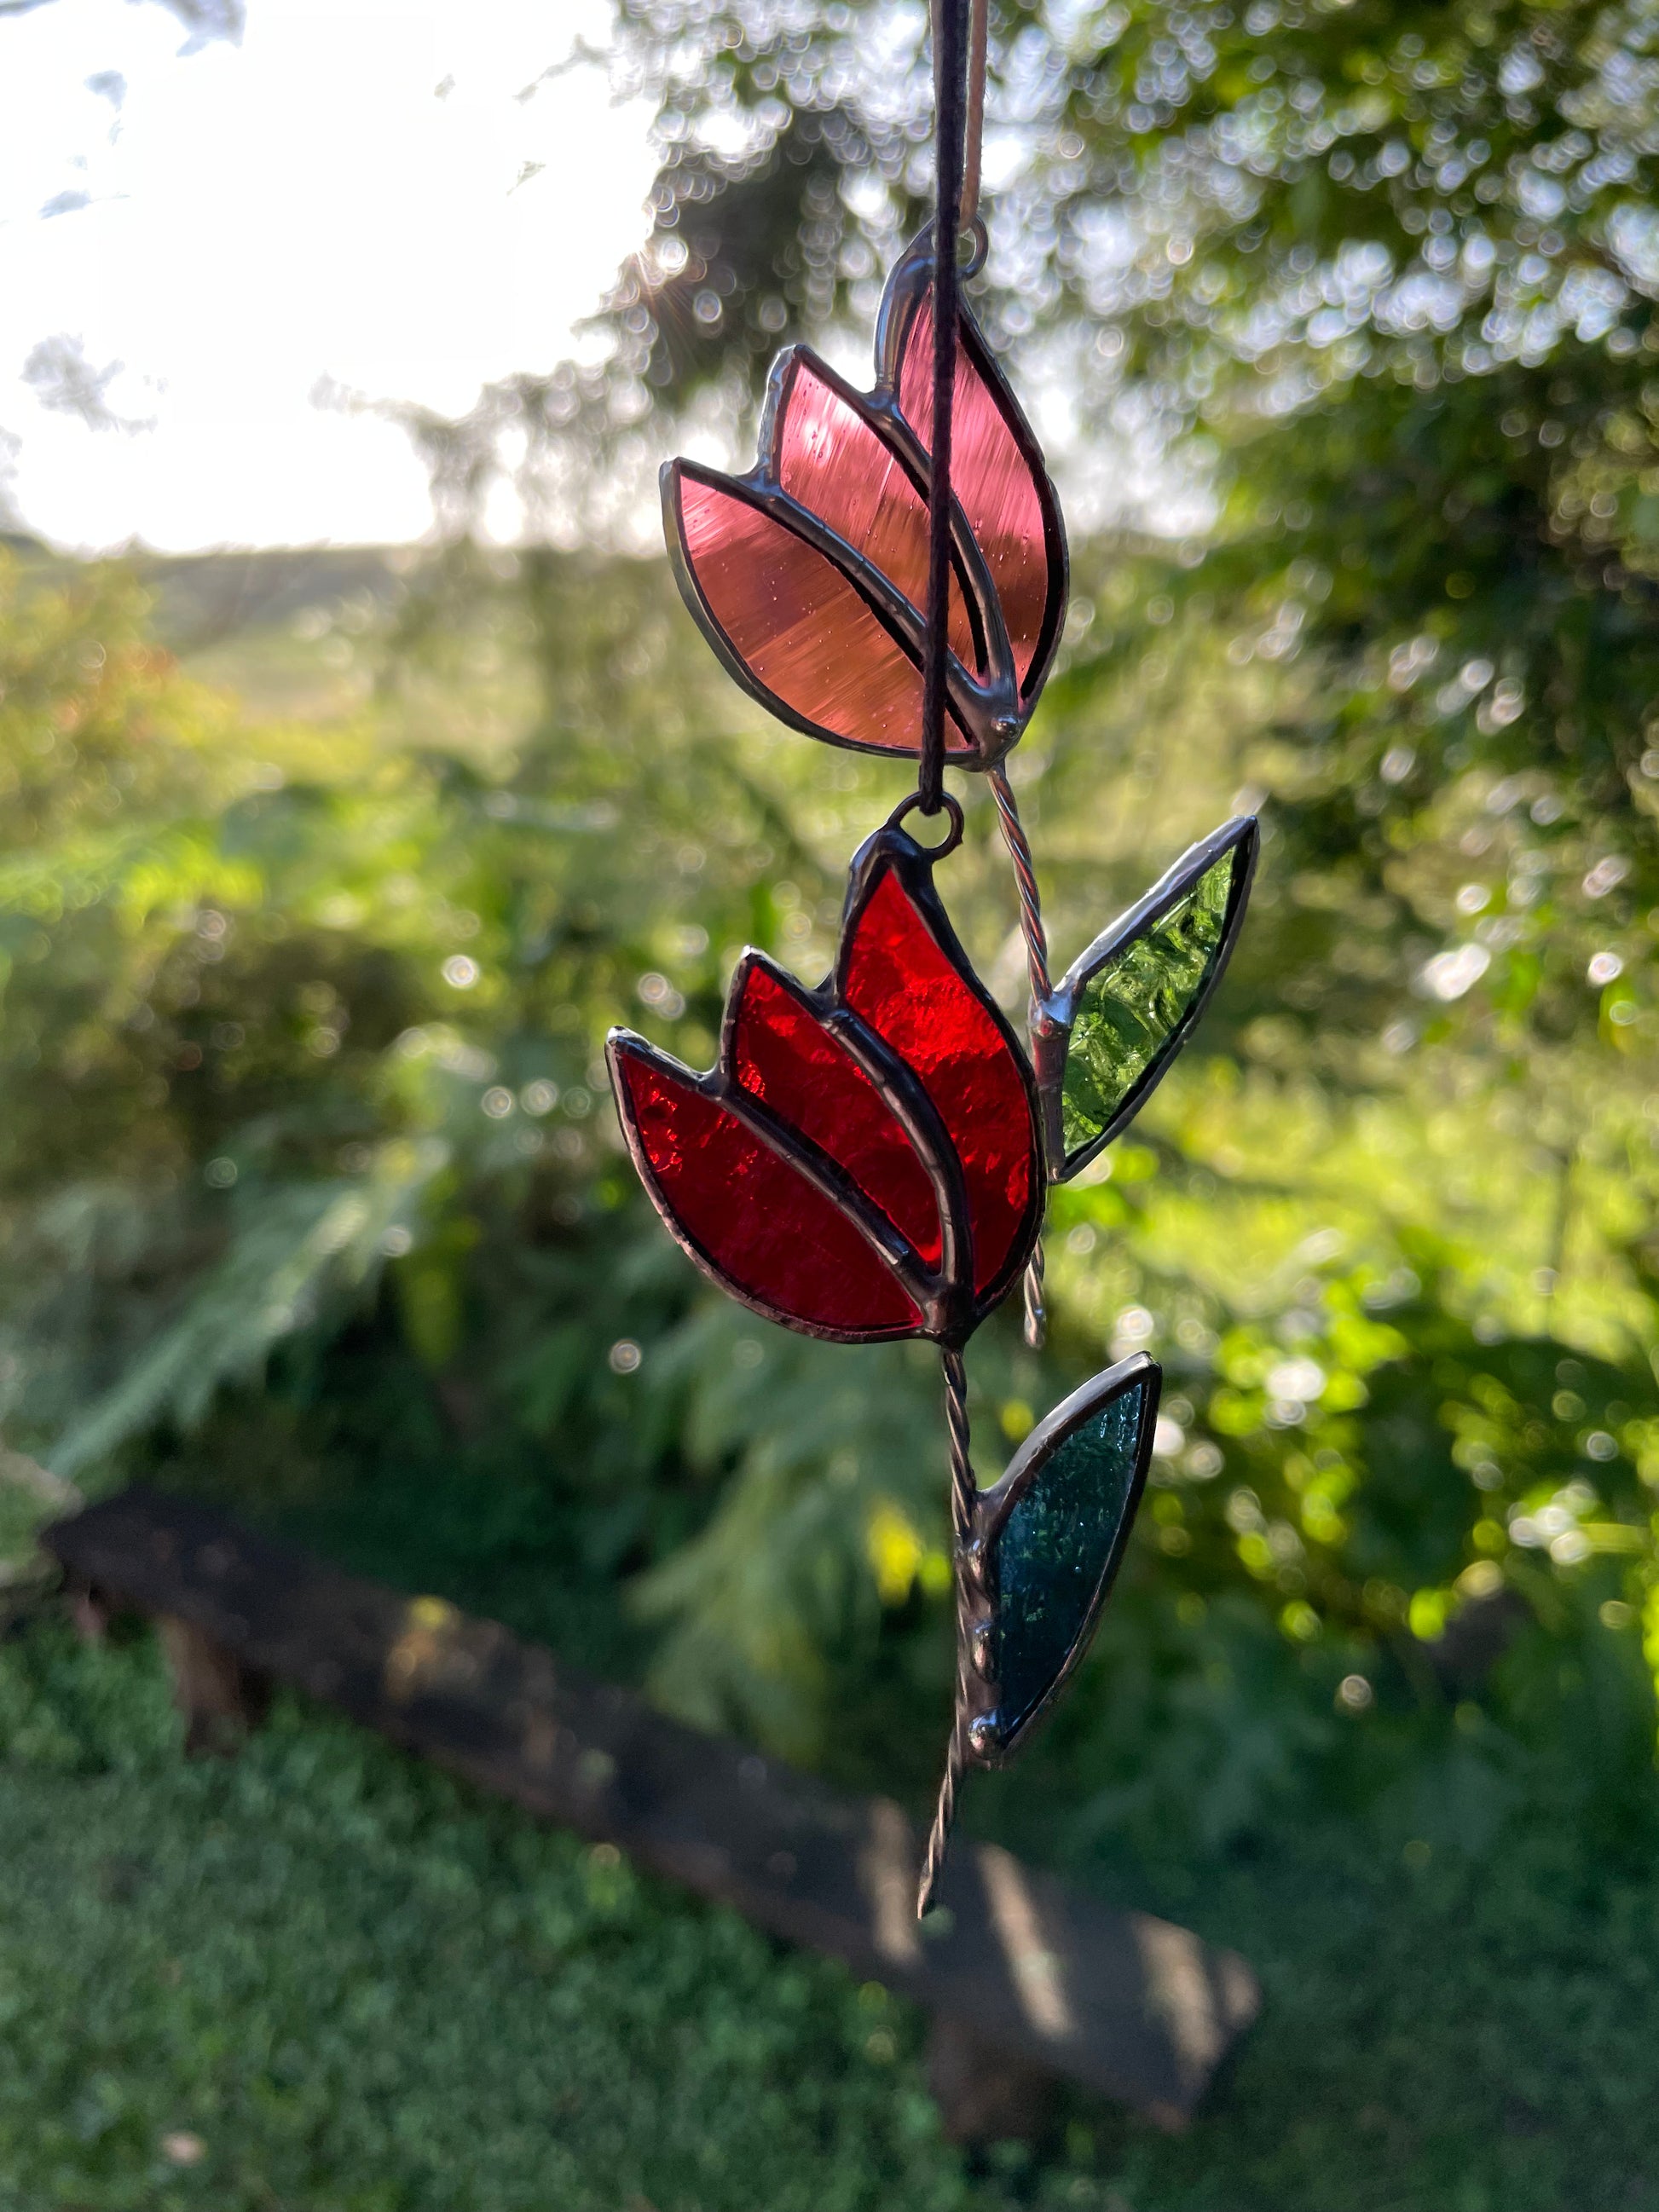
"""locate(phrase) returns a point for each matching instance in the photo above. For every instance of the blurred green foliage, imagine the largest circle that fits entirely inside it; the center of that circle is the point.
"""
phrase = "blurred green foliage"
(312, 1197)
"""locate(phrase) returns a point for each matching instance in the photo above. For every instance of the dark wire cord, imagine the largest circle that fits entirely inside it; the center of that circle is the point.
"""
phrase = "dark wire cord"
(950, 99)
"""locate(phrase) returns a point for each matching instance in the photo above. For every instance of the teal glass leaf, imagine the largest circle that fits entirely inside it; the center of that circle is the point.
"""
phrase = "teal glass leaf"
(1055, 1552)
(1133, 998)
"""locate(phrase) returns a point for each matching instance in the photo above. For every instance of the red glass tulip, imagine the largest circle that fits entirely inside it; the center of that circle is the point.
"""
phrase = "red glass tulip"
(864, 1161)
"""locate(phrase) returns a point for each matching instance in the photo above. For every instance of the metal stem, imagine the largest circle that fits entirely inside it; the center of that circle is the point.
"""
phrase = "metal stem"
(964, 1493)
(1036, 963)
(1037, 1314)
(1031, 904)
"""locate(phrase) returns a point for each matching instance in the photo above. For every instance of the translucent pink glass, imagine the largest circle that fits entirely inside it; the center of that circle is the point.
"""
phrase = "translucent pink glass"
(834, 464)
(992, 480)
(797, 625)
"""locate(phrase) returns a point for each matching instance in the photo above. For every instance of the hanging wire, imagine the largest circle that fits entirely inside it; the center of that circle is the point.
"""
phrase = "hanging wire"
(1013, 834)
(974, 125)
(950, 101)
(959, 135)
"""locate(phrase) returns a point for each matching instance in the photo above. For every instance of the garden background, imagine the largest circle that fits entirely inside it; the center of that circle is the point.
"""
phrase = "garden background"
(322, 876)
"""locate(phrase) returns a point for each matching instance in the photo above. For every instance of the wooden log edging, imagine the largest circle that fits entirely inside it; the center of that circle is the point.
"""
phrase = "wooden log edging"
(1017, 1965)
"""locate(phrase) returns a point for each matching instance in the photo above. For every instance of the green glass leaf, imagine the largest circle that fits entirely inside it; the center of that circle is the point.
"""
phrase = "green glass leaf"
(1053, 1556)
(1133, 1012)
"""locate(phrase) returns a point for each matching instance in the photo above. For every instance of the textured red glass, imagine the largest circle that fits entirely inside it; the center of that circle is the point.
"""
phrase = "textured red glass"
(755, 1220)
(830, 459)
(784, 1055)
(992, 480)
(900, 981)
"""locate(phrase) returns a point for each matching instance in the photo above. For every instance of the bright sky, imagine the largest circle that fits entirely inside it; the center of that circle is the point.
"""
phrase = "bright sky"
(350, 195)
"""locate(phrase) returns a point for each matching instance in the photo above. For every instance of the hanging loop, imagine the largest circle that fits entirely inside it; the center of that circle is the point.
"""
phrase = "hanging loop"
(973, 244)
(949, 805)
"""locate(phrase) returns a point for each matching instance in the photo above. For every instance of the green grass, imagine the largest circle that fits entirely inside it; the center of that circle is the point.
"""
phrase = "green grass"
(358, 1987)
(1436, 2039)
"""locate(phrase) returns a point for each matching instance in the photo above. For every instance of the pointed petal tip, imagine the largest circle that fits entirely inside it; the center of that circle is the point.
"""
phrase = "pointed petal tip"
(744, 1212)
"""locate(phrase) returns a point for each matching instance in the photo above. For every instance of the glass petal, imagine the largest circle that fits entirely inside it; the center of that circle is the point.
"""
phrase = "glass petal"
(783, 1055)
(901, 981)
(1136, 996)
(795, 627)
(750, 1218)
(832, 461)
(1055, 1555)
(1010, 509)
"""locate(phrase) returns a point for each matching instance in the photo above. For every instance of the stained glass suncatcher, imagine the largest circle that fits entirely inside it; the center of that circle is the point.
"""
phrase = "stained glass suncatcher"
(869, 1159)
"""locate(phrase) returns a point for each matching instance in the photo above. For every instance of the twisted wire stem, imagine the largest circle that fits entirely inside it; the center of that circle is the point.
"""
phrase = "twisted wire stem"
(1036, 963)
(1030, 905)
(964, 1493)
(1037, 1314)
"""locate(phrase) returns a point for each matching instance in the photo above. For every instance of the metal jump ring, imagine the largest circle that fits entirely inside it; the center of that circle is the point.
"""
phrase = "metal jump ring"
(979, 245)
(949, 805)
